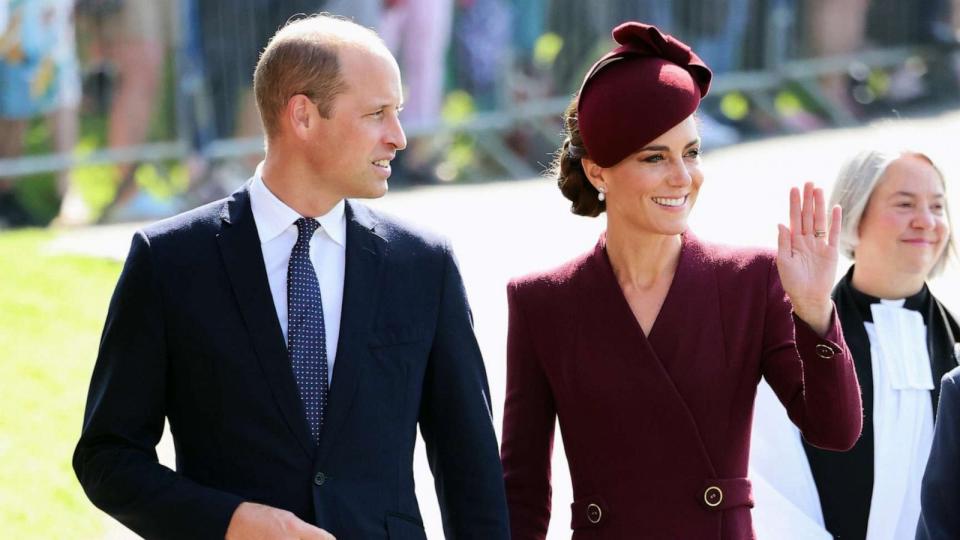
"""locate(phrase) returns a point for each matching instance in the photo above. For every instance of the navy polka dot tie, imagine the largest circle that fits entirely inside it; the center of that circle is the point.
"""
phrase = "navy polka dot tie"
(306, 336)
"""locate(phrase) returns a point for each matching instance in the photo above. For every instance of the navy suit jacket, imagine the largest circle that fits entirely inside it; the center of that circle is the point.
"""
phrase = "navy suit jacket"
(940, 490)
(192, 336)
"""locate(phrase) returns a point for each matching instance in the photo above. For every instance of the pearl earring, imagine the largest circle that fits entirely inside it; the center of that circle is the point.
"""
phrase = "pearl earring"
(601, 195)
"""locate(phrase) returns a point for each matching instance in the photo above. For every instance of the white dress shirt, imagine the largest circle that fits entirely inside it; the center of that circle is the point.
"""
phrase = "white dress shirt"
(278, 233)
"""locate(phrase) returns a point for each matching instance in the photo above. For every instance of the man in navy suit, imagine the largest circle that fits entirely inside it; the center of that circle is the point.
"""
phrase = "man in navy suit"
(940, 490)
(294, 339)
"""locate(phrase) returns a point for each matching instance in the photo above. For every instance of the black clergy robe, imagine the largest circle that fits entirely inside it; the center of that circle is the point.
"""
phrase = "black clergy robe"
(845, 479)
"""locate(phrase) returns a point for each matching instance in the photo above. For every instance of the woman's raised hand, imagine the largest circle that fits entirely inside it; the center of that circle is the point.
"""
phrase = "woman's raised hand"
(807, 256)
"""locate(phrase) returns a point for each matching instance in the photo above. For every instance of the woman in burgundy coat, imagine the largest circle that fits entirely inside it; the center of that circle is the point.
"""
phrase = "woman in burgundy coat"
(649, 347)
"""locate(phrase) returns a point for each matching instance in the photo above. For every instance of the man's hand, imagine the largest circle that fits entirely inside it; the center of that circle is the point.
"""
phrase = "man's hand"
(253, 521)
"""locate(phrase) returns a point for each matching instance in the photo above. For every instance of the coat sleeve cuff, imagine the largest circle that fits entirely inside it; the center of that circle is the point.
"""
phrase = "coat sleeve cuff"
(812, 345)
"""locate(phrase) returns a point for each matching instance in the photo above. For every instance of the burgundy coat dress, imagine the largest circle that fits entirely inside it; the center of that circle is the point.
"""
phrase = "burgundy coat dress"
(656, 428)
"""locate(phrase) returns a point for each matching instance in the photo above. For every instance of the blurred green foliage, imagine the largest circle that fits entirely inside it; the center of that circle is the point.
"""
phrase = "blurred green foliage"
(52, 309)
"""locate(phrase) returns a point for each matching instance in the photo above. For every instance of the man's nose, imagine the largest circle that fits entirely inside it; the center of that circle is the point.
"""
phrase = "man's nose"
(395, 135)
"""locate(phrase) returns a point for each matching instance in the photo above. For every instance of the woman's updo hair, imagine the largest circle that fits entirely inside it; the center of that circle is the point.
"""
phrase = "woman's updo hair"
(568, 170)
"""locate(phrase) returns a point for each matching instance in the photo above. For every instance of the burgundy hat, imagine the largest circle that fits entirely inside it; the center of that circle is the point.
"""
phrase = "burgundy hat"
(638, 91)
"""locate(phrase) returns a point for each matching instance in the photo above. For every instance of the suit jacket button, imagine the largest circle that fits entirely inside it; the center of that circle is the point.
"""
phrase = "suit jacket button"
(824, 351)
(593, 513)
(319, 479)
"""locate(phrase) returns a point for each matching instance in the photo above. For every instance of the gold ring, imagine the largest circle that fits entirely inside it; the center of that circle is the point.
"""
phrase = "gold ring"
(819, 234)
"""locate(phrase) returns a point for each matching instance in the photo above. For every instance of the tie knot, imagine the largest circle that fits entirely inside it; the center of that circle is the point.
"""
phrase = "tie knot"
(306, 227)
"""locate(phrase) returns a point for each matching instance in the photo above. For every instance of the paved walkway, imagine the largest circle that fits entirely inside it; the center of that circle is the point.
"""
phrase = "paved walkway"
(505, 229)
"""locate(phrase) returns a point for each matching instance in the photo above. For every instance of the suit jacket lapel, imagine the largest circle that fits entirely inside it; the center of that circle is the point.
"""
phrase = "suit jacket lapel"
(243, 260)
(365, 253)
(940, 342)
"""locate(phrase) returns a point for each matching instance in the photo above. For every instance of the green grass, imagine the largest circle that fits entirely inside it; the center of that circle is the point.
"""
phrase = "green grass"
(52, 309)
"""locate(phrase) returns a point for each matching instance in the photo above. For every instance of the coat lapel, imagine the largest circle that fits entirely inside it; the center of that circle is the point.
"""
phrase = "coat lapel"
(365, 253)
(243, 260)
(692, 340)
(607, 318)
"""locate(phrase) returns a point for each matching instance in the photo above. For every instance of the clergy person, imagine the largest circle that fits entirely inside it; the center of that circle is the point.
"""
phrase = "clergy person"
(897, 231)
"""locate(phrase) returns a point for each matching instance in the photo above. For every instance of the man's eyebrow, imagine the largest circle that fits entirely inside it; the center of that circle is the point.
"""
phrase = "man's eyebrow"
(386, 104)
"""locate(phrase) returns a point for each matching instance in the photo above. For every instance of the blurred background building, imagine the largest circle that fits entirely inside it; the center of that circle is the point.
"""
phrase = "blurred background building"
(116, 110)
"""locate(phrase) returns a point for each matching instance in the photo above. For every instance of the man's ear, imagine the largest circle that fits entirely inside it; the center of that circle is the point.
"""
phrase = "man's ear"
(594, 173)
(300, 114)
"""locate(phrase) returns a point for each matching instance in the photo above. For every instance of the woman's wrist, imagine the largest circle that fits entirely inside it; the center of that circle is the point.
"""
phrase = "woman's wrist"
(816, 314)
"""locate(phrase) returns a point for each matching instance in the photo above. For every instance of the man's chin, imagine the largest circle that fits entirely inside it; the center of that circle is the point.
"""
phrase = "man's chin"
(374, 190)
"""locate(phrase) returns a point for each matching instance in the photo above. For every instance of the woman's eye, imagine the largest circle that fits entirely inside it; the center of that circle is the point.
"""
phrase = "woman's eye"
(654, 158)
(693, 153)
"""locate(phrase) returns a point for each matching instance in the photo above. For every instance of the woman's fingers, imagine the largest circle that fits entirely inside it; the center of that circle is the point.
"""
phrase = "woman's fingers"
(836, 221)
(806, 212)
(819, 214)
(794, 211)
(784, 247)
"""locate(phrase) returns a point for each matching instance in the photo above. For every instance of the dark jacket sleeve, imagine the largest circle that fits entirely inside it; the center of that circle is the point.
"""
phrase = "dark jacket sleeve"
(529, 417)
(940, 490)
(813, 376)
(457, 425)
(115, 459)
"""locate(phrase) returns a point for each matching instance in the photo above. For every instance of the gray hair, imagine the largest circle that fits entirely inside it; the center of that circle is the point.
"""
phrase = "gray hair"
(855, 184)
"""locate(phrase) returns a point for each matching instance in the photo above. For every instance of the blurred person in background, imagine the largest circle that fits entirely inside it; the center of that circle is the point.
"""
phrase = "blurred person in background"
(847, 27)
(230, 37)
(836, 28)
(716, 31)
(649, 347)
(39, 77)
(482, 37)
(233, 35)
(953, 31)
(418, 33)
(363, 12)
(131, 39)
(898, 233)
(939, 496)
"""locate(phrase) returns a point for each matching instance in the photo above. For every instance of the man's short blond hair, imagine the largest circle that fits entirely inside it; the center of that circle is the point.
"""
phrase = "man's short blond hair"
(302, 58)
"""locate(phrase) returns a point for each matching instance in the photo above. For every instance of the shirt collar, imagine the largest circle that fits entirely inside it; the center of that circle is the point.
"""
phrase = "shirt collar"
(273, 216)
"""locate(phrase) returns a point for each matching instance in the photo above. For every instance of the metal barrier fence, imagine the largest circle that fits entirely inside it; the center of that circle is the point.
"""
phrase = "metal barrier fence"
(169, 80)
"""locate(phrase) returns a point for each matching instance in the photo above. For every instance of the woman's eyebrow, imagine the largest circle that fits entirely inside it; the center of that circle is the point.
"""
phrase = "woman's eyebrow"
(902, 193)
(661, 148)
